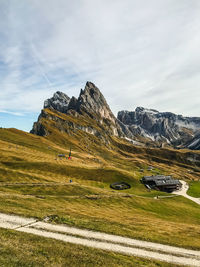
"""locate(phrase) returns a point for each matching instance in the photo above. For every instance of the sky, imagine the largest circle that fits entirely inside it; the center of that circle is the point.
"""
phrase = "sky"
(137, 52)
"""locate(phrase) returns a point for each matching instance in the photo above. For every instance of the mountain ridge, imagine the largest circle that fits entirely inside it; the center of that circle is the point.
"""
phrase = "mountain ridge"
(161, 126)
(142, 125)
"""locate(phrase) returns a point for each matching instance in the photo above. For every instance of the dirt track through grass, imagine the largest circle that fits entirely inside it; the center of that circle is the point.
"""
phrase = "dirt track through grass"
(170, 254)
(183, 192)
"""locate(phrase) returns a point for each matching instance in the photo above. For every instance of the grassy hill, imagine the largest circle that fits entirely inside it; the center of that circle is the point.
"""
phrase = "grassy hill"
(35, 182)
(29, 250)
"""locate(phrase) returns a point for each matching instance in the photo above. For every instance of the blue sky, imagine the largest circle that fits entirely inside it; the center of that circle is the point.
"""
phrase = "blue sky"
(138, 52)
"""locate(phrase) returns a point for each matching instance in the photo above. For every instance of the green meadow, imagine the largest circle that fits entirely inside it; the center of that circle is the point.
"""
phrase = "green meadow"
(35, 183)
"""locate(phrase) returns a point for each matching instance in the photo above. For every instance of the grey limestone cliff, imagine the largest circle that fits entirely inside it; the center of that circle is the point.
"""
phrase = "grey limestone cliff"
(59, 102)
(146, 125)
(160, 126)
(91, 103)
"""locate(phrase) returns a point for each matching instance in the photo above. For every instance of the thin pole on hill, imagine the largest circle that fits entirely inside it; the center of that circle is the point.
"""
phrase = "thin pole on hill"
(70, 152)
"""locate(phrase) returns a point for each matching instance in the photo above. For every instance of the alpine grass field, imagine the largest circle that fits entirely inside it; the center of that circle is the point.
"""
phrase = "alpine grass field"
(34, 182)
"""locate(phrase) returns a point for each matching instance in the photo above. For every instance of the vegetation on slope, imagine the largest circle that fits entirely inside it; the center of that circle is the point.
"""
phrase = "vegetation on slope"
(194, 189)
(28, 250)
(34, 182)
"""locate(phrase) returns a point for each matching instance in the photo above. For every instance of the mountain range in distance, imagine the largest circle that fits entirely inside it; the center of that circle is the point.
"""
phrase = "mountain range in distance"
(91, 113)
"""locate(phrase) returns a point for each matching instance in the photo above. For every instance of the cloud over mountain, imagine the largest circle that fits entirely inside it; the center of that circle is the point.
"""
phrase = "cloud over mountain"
(142, 53)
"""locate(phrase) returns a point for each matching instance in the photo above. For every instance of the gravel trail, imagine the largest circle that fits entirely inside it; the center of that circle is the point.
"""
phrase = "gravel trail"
(183, 192)
(98, 240)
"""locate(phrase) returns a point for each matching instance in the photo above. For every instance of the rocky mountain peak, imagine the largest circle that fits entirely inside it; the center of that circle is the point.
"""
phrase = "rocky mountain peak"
(91, 100)
(59, 102)
(142, 124)
(91, 94)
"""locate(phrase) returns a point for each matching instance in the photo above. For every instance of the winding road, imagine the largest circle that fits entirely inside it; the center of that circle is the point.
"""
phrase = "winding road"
(183, 192)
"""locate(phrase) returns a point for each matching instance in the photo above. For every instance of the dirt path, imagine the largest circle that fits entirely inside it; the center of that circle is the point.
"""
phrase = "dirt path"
(183, 192)
(170, 254)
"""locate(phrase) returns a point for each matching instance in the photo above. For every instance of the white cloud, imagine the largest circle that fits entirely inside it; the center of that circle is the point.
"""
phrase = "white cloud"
(138, 52)
(10, 112)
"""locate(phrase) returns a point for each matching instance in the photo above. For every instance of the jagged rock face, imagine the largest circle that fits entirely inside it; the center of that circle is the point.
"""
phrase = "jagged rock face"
(194, 143)
(59, 102)
(141, 124)
(160, 126)
(90, 103)
(73, 104)
(39, 129)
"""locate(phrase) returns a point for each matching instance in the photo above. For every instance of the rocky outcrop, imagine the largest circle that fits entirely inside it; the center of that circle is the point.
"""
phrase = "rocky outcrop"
(73, 104)
(39, 129)
(90, 103)
(145, 125)
(160, 126)
(194, 143)
(59, 102)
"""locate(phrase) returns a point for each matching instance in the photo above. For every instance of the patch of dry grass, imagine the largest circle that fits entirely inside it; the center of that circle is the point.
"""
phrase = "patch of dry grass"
(89, 202)
(21, 249)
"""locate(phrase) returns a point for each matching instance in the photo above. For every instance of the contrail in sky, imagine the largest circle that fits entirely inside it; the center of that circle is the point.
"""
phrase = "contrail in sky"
(37, 60)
